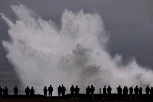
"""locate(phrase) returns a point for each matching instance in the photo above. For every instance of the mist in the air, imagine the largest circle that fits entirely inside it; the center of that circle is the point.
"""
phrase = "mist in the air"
(74, 53)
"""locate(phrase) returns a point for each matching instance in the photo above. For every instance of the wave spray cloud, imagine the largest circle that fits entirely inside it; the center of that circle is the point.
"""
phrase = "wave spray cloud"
(74, 53)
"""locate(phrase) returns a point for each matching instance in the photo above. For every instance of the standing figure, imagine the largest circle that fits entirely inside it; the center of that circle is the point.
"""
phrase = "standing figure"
(92, 89)
(131, 90)
(32, 91)
(15, 91)
(72, 90)
(77, 91)
(27, 91)
(50, 90)
(59, 90)
(140, 91)
(147, 90)
(88, 91)
(125, 90)
(45, 91)
(104, 90)
(119, 90)
(5, 92)
(109, 90)
(136, 90)
(63, 90)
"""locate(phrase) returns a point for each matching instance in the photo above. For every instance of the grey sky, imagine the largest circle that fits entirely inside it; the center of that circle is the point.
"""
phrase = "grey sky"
(129, 23)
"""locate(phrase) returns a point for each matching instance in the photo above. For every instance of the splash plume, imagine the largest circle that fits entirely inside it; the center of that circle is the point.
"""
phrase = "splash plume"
(75, 53)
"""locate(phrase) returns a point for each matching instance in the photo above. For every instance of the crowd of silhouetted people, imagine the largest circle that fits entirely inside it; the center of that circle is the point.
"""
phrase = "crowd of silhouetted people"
(75, 91)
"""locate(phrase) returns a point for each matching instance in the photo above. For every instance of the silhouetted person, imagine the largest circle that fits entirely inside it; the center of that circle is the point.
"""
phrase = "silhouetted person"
(72, 90)
(136, 90)
(45, 91)
(140, 91)
(5, 91)
(27, 91)
(92, 89)
(125, 90)
(151, 90)
(63, 90)
(15, 90)
(50, 90)
(147, 89)
(104, 90)
(88, 90)
(119, 90)
(1, 91)
(32, 91)
(59, 90)
(131, 90)
(109, 90)
(77, 91)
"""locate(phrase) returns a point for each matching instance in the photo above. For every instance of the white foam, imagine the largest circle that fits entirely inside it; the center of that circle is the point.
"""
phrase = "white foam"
(43, 54)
